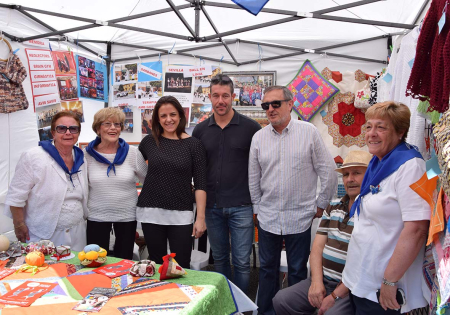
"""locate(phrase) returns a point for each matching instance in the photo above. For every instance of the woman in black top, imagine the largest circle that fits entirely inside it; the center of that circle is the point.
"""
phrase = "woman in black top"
(165, 205)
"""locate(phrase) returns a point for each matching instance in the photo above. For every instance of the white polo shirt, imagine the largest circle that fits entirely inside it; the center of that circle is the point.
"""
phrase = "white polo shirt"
(377, 230)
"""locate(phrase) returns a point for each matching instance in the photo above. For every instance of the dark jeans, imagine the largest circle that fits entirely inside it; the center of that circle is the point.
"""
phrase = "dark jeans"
(363, 306)
(180, 242)
(125, 232)
(297, 253)
(237, 223)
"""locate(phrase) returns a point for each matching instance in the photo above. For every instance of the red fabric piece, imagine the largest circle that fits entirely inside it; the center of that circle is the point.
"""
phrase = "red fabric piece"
(350, 119)
(430, 75)
(336, 76)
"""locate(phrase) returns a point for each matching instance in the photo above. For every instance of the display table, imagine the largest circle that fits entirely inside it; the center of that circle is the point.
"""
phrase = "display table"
(198, 292)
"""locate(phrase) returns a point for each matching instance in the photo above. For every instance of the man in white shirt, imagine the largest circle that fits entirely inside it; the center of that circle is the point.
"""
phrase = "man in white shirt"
(286, 159)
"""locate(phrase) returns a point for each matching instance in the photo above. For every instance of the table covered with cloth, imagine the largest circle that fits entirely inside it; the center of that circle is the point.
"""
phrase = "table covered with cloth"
(198, 292)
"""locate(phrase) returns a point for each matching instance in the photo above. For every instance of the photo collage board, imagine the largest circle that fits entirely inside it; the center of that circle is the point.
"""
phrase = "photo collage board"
(92, 79)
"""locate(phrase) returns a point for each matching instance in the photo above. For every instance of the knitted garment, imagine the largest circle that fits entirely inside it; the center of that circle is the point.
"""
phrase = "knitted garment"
(12, 95)
(430, 75)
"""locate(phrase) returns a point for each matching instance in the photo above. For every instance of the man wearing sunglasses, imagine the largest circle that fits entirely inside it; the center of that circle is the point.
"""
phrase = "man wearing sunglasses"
(227, 136)
(286, 159)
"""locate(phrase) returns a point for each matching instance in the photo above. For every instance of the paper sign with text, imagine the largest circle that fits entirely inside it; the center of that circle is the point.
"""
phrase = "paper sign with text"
(150, 72)
(197, 71)
(46, 100)
(41, 42)
(38, 54)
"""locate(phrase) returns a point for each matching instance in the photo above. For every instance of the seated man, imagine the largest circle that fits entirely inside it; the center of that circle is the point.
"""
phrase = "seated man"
(329, 252)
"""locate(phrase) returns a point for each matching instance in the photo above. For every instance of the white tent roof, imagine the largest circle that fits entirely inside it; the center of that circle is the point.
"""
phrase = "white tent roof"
(310, 33)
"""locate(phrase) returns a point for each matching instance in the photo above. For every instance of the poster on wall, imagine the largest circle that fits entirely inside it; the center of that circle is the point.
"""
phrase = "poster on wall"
(199, 113)
(124, 94)
(75, 107)
(251, 85)
(44, 86)
(202, 84)
(128, 124)
(177, 85)
(44, 116)
(149, 86)
(66, 74)
(146, 121)
(126, 73)
(92, 79)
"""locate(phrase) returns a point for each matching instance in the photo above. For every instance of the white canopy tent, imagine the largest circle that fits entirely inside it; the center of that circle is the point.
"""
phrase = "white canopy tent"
(340, 34)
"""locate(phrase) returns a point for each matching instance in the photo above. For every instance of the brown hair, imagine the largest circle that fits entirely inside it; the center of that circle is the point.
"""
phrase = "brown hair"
(104, 114)
(64, 114)
(398, 113)
(157, 129)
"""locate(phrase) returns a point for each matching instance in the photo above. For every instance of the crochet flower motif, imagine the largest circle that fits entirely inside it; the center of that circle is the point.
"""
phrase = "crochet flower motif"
(349, 119)
(360, 94)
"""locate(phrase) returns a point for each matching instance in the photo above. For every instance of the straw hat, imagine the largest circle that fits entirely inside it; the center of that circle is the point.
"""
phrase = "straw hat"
(355, 158)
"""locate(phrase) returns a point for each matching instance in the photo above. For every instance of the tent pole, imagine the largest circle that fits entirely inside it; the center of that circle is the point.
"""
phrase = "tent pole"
(71, 17)
(108, 65)
(217, 32)
(362, 21)
(143, 30)
(61, 32)
(183, 20)
(178, 53)
(422, 8)
(197, 19)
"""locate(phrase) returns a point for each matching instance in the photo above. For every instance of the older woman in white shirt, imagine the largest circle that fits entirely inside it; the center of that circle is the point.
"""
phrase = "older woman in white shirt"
(387, 245)
(47, 198)
(113, 169)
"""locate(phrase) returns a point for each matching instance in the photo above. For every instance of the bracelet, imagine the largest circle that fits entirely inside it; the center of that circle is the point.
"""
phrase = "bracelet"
(20, 225)
(335, 297)
(391, 284)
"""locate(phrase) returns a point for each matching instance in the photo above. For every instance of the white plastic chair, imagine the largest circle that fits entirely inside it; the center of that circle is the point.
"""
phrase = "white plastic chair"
(200, 259)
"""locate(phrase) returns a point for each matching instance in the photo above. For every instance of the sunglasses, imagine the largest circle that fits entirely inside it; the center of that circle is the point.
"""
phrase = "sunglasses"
(63, 129)
(275, 104)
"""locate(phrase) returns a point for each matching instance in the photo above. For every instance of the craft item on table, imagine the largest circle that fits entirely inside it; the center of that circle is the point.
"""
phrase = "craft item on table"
(143, 268)
(3, 263)
(346, 124)
(95, 300)
(62, 253)
(4, 243)
(362, 97)
(19, 261)
(46, 247)
(121, 282)
(311, 91)
(14, 250)
(170, 268)
(26, 293)
(12, 94)
(6, 272)
(35, 262)
(92, 256)
(115, 270)
(441, 133)
(145, 285)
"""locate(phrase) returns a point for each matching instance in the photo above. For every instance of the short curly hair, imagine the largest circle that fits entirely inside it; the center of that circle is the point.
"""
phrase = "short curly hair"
(398, 113)
(104, 114)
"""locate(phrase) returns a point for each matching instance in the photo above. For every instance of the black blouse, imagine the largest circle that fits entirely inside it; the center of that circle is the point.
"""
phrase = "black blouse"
(171, 167)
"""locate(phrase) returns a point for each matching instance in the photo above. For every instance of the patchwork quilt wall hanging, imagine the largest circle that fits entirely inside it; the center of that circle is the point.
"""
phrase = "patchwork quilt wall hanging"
(346, 123)
(311, 91)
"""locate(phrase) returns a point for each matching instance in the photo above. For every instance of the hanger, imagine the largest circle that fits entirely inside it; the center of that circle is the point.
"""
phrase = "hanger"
(2, 39)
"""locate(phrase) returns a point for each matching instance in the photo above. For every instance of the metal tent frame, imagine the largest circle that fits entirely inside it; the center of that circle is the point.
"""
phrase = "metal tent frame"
(200, 7)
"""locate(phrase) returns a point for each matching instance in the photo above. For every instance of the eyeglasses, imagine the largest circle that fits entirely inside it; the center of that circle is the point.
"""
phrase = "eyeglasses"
(275, 104)
(63, 129)
(108, 125)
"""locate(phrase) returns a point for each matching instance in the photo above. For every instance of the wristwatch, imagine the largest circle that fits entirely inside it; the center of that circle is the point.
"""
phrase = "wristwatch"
(335, 297)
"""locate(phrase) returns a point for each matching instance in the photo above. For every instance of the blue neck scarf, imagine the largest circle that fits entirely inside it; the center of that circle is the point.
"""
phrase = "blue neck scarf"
(78, 159)
(379, 170)
(121, 154)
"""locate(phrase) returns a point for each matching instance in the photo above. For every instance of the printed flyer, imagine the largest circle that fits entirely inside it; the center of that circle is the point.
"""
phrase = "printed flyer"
(95, 300)
(115, 270)
(26, 293)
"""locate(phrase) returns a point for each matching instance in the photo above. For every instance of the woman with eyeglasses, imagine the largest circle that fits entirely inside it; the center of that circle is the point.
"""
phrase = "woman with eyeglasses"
(47, 197)
(113, 167)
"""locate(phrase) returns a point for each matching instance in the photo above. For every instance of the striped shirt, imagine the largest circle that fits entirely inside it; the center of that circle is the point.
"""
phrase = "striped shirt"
(283, 171)
(338, 227)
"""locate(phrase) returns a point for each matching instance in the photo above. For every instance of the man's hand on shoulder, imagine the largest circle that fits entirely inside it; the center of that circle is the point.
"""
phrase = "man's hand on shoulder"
(316, 294)
(319, 213)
